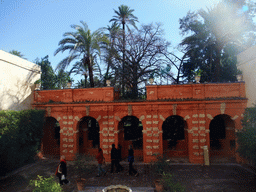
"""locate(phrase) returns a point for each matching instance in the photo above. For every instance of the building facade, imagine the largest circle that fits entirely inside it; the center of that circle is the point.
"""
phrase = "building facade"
(247, 64)
(174, 120)
(17, 77)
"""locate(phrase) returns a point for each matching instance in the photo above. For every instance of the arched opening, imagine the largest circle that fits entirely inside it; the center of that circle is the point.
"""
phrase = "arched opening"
(130, 133)
(51, 137)
(89, 138)
(222, 136)
(175, 137)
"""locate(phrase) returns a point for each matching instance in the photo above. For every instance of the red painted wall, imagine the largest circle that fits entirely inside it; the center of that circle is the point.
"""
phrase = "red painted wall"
(197, 104)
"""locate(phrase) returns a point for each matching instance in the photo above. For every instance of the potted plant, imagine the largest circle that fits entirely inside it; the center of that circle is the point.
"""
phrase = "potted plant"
(82, 165)
(158, 167)
(198, 74)
(169, 183)
(239, 75)
(38, 84)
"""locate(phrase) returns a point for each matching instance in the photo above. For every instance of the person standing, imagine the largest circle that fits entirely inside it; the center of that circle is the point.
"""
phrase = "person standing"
(100, 159)
(114, 158)
(61, 171)
(119, 157)
(131, 160)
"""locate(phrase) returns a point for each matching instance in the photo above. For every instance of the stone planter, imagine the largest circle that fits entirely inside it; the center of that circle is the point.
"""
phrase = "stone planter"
(80, 184)
(197, 78)
(37, 86)
(239, 77)
(108, 82)
(117, 188)
(158, 185)
(151, 80)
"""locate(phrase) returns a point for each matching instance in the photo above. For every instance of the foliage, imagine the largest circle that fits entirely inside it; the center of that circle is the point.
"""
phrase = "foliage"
(143, 53)
(20, 136)
(38, 81)
(45, 184)
(48, 77)
(246, 138)
(84, 46)
(213, 42)
(198, 72)
(170, 185)
(161, 164)
(82, 164)
(17, 53)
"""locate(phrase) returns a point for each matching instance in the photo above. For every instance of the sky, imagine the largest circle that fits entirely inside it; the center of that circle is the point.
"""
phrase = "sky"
(35, 27)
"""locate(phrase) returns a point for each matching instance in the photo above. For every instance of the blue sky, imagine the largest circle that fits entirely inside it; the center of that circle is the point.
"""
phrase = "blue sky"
(34, 27)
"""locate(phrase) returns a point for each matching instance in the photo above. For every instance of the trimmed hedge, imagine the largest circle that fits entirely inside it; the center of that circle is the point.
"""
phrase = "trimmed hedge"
(246, 138)
(20, 138)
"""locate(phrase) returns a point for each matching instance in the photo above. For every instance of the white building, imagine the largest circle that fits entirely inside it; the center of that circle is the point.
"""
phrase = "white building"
(247, 64)
(17, 77)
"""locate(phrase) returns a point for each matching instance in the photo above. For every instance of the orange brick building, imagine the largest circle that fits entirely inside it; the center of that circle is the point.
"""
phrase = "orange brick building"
(81, 120)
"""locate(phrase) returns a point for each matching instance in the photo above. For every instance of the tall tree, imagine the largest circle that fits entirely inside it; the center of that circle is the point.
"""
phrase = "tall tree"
(124, 16)
(211, 31)
(48, 76)
(143, 55)
(83, 45)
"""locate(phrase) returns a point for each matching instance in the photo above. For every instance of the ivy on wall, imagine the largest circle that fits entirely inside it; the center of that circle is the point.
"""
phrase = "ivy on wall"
(20, 137)
(246, 138)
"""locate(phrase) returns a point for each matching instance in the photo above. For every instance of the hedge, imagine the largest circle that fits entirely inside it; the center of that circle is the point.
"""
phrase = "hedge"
(246, 138)
(20, 138)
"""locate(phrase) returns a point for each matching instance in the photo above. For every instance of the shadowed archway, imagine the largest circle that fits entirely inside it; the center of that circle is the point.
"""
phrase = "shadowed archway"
(89, 138)
(175, 137)
(130, 133)
(51, 137)
(222, 136)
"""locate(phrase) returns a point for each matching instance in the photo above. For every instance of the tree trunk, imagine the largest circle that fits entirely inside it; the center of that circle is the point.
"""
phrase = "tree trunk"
(123, 58)
(88, 62)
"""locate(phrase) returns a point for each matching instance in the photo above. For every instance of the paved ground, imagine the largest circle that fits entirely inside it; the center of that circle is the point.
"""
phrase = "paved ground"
(226, 176)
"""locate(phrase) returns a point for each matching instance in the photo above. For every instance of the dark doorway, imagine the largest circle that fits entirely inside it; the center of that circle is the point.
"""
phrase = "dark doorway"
(175, 141)
(89, 139)
(51, 137)
(130, 133)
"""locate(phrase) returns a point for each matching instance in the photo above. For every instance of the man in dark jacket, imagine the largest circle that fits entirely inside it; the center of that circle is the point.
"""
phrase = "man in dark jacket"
(119, 155)
(114, 158)
(61, 171)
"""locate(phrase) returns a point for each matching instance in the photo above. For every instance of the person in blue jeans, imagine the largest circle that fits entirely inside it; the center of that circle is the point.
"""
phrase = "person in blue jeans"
(132, 171)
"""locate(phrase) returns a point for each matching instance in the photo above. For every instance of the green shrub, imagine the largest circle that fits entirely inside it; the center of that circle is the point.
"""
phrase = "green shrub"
(170, 185)
(160, 165)
(45, 184)
(20, 136)
(246, 138)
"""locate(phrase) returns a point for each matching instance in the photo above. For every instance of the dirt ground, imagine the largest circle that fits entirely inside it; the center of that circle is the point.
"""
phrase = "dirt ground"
(224, 176)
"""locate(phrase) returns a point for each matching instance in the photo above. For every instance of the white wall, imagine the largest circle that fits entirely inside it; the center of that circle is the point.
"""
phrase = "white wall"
(247, 63)
(17, 77)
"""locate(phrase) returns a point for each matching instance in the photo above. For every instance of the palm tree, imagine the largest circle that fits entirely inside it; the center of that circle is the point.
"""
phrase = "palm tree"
(83, 45)
(17, 53)
(113, 32)
(124, 16)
